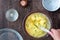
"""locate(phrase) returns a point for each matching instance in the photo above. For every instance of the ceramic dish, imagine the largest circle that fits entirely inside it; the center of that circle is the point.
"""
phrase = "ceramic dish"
(11, 15)
(51, 5)
(9, 34)
(36, 19)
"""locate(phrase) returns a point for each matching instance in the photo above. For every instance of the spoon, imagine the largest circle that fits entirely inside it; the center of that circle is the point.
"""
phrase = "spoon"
(42, 28)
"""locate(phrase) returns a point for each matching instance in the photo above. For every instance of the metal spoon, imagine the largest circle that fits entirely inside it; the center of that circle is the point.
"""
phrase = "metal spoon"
(42, 28)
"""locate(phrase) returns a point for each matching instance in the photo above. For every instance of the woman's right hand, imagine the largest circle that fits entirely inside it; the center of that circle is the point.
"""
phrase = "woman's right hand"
(55, 33)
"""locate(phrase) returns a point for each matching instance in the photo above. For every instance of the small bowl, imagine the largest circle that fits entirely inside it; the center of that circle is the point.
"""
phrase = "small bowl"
(9, 34)
(11, 15)
(51, 5)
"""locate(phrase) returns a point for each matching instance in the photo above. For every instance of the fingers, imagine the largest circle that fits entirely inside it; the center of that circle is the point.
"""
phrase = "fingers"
(55, 33)
(51, 33)
(58, 30)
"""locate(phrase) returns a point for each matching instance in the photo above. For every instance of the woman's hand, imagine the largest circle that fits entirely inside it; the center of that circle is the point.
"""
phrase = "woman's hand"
(55, 33)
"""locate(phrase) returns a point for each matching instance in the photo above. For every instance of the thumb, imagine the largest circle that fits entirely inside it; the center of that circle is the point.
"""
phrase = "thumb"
(52, 32)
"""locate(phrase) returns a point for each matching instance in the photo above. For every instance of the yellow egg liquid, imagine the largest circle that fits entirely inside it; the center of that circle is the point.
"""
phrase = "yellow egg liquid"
(37, 19)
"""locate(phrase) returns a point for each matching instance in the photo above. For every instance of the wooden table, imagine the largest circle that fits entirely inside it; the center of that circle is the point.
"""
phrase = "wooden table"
(33, 5)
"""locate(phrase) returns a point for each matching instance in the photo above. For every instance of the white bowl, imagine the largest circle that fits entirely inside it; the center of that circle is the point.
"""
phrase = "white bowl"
(51, 5)
(9, 34)
(11, 15)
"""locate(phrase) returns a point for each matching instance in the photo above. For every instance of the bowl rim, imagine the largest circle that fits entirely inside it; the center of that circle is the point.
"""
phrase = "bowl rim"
(23, 24)
(14, 10)
(13, 31)
(49, 9)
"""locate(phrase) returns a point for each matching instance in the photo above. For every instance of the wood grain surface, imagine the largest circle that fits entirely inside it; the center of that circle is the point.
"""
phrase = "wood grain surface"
(33, 6)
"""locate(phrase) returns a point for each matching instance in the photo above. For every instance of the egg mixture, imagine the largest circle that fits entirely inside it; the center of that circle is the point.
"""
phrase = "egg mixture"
(34, 22)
